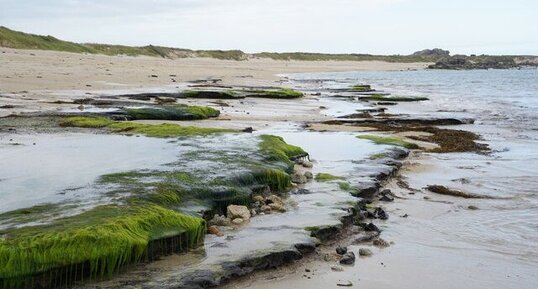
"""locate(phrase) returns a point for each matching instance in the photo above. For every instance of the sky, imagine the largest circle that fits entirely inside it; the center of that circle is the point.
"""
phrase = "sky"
(335, 26)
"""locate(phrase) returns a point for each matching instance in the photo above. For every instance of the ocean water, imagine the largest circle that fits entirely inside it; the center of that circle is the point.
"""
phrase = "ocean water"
(495, 246)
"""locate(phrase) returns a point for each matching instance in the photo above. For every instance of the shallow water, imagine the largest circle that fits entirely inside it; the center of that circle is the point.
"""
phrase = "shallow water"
(494, 246)
(43, 168)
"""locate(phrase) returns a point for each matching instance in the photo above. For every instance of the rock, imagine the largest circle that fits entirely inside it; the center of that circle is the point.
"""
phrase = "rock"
(248, 129)
(253, 212)
(367, 237)
(379, 213)
(299, 161)
(381, 243)
(365, 252)
(214, 230)
(298, 178)
(370, 227)
(308, 164)
(341, 250)
(337, 268)
(471, 207)
(348, 259)
(266, 209)
(219, 220)
(300, 191)
(277, 207)
(386, 198)
(348, 284)
(258, 198)
(235, 211)
(274, 199)
(238, 221)
(309, 175)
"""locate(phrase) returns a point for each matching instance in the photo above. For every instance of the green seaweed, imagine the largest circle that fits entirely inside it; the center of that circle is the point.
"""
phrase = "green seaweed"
(361, 88)
(276, 149)
(106, 237)
(325, 177)
(377, 156)
(384, 140)
(218, 94)
(173, 112)
(163, 130)
(282, 93)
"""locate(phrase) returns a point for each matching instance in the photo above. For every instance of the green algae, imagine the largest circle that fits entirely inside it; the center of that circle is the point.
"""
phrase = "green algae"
(384, 140)
(377, 156)
(382, 97)
(164, 130)
(218, 94)
(172, 112)
(361, 88)
(282, 93)
(325, 177)
(106, 238)
(276, 149)
(146, 206)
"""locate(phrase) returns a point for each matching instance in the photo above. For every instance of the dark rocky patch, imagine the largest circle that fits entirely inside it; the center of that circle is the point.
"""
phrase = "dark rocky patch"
(442, 190)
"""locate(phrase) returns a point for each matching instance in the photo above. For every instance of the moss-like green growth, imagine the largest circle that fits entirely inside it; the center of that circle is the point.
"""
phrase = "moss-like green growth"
(172, 112)
(276, 149)
(361, 88)
(282, 93)
(277, 180)
(213, 94)
(344, 186)
(384, 140)
(377, 156)
(325, 177)
(382, 97)
(152, 130)
(105, 238)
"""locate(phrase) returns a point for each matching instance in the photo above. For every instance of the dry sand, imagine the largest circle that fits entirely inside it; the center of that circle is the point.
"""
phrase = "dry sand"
(30, 72)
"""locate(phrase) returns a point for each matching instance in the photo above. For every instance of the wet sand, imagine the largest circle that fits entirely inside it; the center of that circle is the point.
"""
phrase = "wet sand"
(421, 253)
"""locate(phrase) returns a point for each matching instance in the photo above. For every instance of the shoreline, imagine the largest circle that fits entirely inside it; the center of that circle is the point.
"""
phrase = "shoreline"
(285, 116)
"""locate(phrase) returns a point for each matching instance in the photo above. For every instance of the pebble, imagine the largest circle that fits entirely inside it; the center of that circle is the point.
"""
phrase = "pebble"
(308, 164)
(337, 268)
(365, 252)
(348, 259)
(341, 250)
(381, 243)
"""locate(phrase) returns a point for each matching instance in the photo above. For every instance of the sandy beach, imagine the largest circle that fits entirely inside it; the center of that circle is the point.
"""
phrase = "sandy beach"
(45, 88)
(28, 71)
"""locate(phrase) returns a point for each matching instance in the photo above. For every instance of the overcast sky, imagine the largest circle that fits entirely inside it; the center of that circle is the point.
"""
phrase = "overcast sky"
(346, 26)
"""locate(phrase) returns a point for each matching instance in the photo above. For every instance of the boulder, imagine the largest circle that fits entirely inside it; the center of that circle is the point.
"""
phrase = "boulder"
(298, 178)
(309, 175)
(308, 164)
(274, 199)
(214, 230)
(258, 198)
(235, 211)
(277, 207)
(219, 220)
(341, 250)
(348, 259)
(238, 221)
